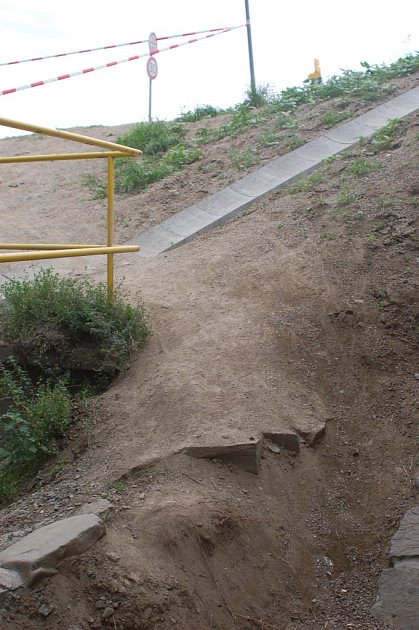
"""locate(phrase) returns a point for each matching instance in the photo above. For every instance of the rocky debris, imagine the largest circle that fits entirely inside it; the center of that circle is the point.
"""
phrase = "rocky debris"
(312, 435)
(243, 455)
(287, 439)
(37, 555)
(398, 587)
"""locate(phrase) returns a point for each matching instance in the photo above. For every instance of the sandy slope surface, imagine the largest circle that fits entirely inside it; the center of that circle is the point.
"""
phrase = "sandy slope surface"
(299, 315)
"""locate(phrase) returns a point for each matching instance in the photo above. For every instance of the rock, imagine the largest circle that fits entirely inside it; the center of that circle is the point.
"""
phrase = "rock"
(313, 434)
(287, 439)
(101, 507)
(45, 610)
(108, 612)
(36, 555)
(100, 604)
(417, 481)
(273, 448)
(398, 586)
(243, 455)
(113, 556)
(405, 542)
(398, 598)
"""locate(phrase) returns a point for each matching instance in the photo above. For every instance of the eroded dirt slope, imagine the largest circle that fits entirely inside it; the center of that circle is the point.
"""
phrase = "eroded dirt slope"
(303, 312)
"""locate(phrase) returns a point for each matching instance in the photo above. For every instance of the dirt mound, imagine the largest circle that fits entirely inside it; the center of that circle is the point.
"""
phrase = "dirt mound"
(302, 314)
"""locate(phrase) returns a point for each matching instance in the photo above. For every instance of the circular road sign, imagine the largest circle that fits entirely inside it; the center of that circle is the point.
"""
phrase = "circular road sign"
(152, 42)
(152, 68)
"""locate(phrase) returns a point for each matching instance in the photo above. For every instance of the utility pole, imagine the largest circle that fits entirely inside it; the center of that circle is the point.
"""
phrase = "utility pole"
(249, 43)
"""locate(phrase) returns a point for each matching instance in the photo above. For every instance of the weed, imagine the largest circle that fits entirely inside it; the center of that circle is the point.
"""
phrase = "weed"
(200, 112)
(307, 184)
(333, 118)
(384, 138)
(362, 167)
(370, 239)
(328, 235)
(347, 197)
(385, 201)
(119, 485)
(294, 141)
(98, 188)
(36, 418)
(154, 138)
(258, 97)
(270, 140)
(245, 160)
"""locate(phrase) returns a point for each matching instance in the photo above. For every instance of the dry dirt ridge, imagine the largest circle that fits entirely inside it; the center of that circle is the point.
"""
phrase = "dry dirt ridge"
(302, 314)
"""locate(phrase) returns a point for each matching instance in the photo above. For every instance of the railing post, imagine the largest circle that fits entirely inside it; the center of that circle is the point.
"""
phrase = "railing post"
(111, 225)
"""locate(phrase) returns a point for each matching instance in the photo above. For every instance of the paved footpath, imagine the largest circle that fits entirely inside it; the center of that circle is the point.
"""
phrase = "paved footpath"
(218, 208)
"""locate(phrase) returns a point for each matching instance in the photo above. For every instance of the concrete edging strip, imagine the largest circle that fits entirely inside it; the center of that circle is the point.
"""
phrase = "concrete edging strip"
(230, 201)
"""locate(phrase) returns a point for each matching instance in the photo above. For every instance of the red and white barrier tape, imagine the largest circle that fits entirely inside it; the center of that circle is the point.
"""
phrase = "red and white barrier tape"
(87, 50)
(115, 63)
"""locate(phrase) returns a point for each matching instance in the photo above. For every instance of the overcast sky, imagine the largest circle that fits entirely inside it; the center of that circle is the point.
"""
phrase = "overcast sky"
(286, 38)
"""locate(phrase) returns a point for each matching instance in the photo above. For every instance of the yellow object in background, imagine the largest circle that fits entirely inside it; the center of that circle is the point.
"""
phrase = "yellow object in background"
(316, 76)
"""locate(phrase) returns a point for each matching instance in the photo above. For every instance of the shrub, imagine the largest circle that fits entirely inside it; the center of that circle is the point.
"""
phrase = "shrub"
(51, 313)
(200, 112)
(153, 138)
(35, 420)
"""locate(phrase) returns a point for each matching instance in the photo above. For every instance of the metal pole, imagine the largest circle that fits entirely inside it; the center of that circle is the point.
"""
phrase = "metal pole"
(149, 101)
(249, 43)
(111, 224)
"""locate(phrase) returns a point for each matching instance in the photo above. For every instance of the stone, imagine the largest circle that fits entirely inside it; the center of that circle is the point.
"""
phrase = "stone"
(244, 455)
(100, 507)
(114, 557)
(108, 612)
(36, 555)
(313, 434)
(405, 542)
(398, 597)
(287, 439)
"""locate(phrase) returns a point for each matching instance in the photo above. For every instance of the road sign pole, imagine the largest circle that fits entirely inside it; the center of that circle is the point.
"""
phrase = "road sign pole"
(250, 46)
(149, 99)
(152, 68)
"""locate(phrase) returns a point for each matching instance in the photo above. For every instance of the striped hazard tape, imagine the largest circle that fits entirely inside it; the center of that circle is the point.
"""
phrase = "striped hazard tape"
(87, 50)
(115, 63)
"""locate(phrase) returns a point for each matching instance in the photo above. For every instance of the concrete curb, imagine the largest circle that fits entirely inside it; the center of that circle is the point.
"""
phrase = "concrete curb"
(225, 204)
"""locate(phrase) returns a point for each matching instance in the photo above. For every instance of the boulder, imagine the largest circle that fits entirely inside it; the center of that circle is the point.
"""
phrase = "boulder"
(245, 455)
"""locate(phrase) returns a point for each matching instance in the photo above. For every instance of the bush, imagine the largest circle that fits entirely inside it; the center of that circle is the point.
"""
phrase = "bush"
(36, 418)
(53, 314)
(154, 138)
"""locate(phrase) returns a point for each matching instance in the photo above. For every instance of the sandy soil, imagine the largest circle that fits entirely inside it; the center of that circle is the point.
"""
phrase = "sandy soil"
(300, 314)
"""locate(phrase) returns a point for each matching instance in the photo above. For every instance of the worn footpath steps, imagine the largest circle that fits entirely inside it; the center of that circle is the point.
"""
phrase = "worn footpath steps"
(218, 208)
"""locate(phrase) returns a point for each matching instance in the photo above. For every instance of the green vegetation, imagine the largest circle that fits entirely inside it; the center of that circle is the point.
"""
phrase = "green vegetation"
(361, 166)
(51, 313)
(384, 138)
(199, 113)
(36, 418)
(333, 118)
(47, 320)
(165, 149)
(245, 160)
(307, 184)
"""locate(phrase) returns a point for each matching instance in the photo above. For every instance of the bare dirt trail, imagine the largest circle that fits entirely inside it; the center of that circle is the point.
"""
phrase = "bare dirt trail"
(289, 317)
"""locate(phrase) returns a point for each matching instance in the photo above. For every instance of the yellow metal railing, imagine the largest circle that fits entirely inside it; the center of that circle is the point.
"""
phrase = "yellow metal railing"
(42, 251)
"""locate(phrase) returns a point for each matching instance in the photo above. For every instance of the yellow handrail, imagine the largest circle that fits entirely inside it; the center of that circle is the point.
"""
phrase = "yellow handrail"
(59, 250)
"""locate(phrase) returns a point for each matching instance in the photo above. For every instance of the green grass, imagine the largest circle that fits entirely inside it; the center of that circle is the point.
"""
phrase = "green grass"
(361, 166)
(384, 138)
(333, 118)
(199, 113)
(52, 313)
(307, 184)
